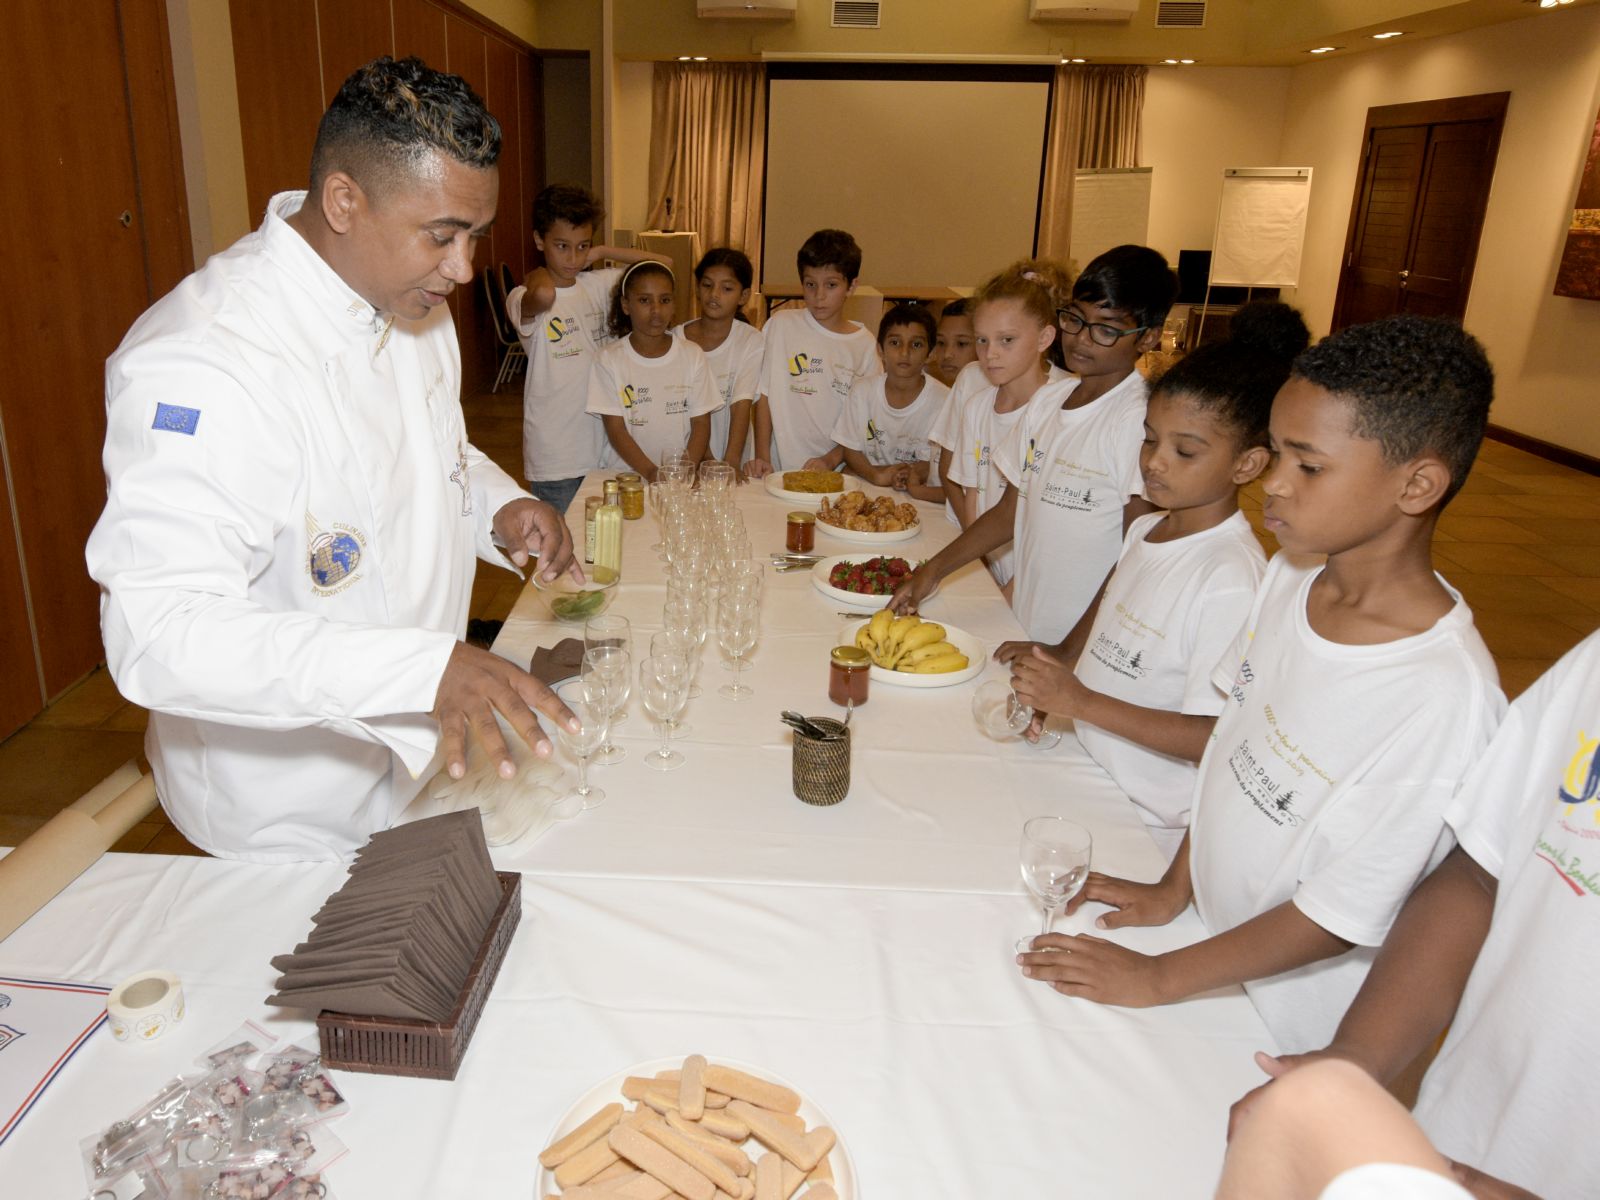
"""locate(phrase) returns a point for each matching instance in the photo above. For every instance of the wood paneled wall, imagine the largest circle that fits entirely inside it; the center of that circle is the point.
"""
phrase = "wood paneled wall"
(290, 56)
(93, 173)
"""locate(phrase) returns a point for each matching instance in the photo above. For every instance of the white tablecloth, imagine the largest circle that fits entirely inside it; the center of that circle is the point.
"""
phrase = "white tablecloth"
(861, 951)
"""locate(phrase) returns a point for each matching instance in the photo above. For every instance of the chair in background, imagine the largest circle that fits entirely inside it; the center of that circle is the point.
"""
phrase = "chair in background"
(513, 359)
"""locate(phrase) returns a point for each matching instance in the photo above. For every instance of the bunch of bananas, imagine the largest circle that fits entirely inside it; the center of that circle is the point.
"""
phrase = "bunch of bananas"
(909, 644)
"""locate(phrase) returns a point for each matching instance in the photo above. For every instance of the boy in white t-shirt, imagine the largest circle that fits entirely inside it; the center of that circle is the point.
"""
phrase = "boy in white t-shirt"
(883, 429)
(813, 357)
(1186, 579)
(560, 318)
(1359, 693)
(1499, 945)
(1072, 459)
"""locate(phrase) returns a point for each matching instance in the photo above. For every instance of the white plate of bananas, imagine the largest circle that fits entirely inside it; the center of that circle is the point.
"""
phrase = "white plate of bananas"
(913, 652)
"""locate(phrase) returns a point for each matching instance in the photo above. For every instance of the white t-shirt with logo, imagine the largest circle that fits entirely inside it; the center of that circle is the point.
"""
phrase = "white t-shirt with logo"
(946, 429)
(1509, 1091)
(884, 434)
(1325, 783)
(560, 439)
(972, 435)
(1074, 470)
(1170, 612)
(806, 375)
(736, 375)
(655, 397)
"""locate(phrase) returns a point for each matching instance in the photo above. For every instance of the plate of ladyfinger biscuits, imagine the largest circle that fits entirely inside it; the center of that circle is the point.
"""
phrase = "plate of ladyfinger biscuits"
(689, 1127)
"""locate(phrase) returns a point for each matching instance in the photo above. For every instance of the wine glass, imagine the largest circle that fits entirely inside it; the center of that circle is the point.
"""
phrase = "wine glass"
(1004, 718)
(737, 621)
(664, 688)
(1054, 857)
(685, 615)
(608, 629)
(687, 647)
(588, 704)
(609, 671)
(715, 476)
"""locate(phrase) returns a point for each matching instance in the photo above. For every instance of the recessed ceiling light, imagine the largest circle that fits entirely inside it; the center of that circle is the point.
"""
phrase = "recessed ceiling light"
(1080, 60)
(1188, 62)
(700, 58)
(683, 58)
(1392, 33)
(1324, 49)
(1171, 62)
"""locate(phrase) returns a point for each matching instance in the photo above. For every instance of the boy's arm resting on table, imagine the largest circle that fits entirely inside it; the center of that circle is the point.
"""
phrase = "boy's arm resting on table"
(832, 460)
(989, 532)
(760, 463)
(918, 487)
(738, 430)
(627, 449)
(1133, 903)
(954, 493)
(1045, 682)
(1280, 939)
(699, 438)
(864, 467)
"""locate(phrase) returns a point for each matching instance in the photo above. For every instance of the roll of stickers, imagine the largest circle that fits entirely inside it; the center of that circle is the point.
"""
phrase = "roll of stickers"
(144, 1006)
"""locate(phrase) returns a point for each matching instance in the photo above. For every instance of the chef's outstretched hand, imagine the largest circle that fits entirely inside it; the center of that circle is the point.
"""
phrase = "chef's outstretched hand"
(475, 684)
(528, 527)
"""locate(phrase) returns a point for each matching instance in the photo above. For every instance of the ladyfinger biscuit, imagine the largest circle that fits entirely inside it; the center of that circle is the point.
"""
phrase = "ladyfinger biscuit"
(663, 1164)
(741, 1086)
(803, 1150)
(821, 1191)
(586, 1163)
(769, 1177)
(692, 1088)
(616, 1173)
(637, 1087)
(793, 1177)
(646, 1187)
(708, 1164)
(823, 1172)
(721, 1147)
(602, 1191)
(591, 1131)
(724, 1125)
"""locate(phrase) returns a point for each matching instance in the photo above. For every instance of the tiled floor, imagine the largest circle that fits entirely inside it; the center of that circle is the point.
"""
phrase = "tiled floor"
(1521, 542)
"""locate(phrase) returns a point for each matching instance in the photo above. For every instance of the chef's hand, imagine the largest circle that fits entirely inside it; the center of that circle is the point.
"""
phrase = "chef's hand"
(526, 527)
(475, 684)
(1276, 1068)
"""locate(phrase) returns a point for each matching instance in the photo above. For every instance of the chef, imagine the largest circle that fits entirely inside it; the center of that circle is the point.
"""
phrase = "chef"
(287, 549)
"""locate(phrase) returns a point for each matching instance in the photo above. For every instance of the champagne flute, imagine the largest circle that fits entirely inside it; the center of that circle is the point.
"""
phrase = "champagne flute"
(1054, 857)
(737, 620)
(664, 688)
(672, 641)
(588, 705)
(1004, 718)
(609, 670)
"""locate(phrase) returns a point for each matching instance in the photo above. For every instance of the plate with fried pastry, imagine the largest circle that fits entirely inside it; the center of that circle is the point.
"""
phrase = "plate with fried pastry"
(647, 1094)
(869, 520)
(814, 485)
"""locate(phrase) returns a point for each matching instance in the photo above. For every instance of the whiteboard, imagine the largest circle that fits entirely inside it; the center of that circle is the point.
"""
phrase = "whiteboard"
(1261, 226)
(1110, 207)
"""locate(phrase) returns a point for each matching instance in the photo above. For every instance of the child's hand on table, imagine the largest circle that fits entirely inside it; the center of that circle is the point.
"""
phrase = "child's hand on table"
(1135, 903)
(1095, 969)
(1045, 683)
(757, 468)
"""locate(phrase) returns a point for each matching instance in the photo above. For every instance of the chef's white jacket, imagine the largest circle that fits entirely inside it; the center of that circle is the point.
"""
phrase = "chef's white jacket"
(287, 550)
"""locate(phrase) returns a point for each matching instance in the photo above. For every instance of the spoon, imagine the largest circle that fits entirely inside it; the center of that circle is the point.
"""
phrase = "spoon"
(804, 725)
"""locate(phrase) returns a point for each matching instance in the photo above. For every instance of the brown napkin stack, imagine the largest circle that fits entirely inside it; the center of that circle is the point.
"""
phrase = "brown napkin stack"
(552, 664)
(398, 939)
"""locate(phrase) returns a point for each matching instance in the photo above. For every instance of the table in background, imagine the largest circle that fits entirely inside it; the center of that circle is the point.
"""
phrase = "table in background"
(860, 951)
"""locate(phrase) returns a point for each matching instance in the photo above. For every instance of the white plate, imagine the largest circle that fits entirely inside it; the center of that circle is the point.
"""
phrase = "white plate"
(774, 485)
(609, 1089)
(870, 539)
(977, 659)
(824, 567)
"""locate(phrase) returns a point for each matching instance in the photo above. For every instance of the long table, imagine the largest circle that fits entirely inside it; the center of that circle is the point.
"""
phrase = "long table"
(863, 951)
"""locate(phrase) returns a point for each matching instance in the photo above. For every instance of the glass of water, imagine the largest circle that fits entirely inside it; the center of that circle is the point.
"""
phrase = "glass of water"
(1054, 856)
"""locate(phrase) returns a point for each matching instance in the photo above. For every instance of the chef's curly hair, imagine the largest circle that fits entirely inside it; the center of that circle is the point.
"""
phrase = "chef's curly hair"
(389, 115)
(1415, 385)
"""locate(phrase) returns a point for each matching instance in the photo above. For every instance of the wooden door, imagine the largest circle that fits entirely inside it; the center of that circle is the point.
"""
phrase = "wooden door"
(94, 175)
(1418, 210)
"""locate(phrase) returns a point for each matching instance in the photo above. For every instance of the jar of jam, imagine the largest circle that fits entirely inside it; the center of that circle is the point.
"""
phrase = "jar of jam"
(802, 533)
(849, 670)
(632, 489)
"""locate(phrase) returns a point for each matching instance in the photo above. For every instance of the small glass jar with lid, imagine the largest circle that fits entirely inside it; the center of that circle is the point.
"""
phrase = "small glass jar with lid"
(849, 669)
(801, 533)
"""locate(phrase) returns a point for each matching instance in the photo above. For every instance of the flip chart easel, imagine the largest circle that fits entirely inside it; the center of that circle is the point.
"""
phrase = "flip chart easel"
(1261, 230)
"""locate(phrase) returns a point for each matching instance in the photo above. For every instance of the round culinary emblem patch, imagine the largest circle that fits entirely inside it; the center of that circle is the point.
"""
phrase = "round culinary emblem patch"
(334, 557)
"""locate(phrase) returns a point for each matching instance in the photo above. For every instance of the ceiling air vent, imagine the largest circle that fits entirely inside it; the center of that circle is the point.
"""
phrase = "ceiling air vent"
(856, 14)
(1180, 14)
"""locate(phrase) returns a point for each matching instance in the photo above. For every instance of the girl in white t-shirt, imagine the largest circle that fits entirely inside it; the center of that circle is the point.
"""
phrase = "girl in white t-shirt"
(733, 347)
(1186, 577)
(1014, 321)
(652, 391)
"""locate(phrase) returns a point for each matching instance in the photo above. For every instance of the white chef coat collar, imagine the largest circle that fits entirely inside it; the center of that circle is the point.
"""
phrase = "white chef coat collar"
(347, 316)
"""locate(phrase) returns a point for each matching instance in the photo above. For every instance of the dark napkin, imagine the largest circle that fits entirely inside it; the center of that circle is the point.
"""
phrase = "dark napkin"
(552, 664)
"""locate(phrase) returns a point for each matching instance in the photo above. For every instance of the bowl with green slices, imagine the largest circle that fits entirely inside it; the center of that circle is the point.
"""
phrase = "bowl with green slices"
(573, 603)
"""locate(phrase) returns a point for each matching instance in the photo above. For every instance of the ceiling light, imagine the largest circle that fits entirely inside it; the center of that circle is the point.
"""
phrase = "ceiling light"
(1065, 61)
(1324, 49)
(699, 58)
(1171, 62)
(1188, 62)
(1384, 36)
(1080, 60)
(683, 58)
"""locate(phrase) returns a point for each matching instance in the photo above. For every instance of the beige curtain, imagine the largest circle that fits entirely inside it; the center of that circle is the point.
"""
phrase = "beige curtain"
(708, 127)
(1096, 119)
